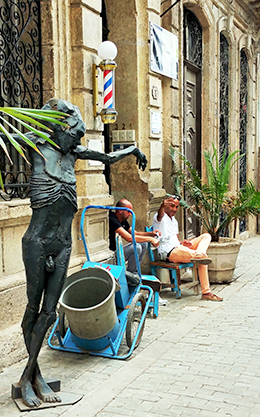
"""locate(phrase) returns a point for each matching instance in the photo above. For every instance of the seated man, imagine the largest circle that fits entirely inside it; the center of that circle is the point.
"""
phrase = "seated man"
(185, 251)
(118, 224)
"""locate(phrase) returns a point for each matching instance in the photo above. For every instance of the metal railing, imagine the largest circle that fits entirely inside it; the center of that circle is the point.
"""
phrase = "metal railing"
(15, 185)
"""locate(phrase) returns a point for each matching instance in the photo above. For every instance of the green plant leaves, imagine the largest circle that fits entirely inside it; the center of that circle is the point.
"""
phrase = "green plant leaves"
(212, 203)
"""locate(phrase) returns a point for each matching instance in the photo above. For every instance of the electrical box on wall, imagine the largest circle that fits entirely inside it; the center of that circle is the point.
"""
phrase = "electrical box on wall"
(118, 146)
(123, 136)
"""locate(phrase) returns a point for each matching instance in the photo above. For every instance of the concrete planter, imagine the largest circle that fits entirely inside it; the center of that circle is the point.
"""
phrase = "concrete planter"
(224, 256)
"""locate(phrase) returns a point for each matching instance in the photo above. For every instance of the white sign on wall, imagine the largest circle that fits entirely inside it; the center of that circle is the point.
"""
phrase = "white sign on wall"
(156, 123)
(163, 51)
(95, 145)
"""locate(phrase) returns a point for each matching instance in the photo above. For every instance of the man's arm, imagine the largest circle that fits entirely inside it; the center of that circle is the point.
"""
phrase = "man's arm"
(139, 238)
(86, 153)
(161, 211)
(154, 233)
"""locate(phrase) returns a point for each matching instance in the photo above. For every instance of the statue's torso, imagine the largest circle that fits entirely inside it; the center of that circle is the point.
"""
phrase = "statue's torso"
(52, 177)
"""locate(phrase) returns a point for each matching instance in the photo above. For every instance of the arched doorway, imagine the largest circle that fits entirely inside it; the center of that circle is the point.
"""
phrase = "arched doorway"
(192, 103)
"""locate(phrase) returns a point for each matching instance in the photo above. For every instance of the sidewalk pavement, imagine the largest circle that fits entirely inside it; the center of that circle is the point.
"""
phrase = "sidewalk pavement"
(198, 358)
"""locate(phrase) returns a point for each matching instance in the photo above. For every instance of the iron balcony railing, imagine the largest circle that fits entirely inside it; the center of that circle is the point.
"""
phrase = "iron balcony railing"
(16, 184)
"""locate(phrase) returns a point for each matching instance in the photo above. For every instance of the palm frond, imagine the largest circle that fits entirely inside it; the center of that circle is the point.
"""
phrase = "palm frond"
(27, 118)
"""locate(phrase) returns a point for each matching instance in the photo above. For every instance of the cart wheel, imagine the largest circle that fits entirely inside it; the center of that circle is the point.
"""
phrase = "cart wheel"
(63, 324)
(134, 317)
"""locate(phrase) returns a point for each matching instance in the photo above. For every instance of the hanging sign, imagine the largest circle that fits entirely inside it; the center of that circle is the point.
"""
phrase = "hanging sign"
(163, 51)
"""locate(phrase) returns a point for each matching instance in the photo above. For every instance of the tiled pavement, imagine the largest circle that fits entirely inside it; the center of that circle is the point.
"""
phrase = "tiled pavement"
(198, 358)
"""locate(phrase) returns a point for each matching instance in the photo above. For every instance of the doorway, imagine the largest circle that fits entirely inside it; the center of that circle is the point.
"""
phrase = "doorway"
(192, 134)
(192, 106)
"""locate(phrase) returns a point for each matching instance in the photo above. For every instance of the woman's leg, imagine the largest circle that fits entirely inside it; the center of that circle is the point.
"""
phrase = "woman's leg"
(184, 254)
(201, 243)
(181, 254)
(204, 278)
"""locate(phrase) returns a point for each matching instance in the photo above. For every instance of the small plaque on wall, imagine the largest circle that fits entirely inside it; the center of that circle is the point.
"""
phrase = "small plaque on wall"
(156, 123)
(95, 145)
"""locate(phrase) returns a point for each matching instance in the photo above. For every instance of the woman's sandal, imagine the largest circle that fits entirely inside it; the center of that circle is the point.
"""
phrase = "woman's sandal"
(210, 296)
(202, 261)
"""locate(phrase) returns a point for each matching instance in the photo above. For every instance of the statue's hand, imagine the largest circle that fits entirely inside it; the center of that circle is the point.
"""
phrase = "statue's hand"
(140, 159)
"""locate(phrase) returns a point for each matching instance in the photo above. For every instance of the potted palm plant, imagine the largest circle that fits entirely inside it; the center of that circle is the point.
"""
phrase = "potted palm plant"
(216, 207)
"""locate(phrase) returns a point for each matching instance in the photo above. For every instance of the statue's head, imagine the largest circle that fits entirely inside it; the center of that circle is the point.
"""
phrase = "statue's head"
(68, 137)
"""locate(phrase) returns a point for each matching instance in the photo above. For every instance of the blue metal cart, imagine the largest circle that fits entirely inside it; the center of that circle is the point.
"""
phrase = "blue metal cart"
(129, 303)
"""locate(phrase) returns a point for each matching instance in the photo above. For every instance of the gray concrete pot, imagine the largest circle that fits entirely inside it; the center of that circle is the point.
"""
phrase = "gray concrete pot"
(224, 256)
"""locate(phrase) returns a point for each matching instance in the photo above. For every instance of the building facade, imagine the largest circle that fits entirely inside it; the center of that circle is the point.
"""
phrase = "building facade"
(187, 77)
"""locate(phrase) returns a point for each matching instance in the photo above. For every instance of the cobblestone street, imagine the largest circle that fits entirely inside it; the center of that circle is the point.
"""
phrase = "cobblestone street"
(198, 358)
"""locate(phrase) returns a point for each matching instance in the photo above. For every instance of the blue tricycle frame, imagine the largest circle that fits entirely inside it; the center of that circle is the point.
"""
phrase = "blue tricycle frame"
(126, 300)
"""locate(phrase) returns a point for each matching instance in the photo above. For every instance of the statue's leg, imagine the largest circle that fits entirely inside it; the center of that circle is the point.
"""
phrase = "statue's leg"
(48, 236)
(35, 273)
(31, 373)
(46, 318)
(32, 369)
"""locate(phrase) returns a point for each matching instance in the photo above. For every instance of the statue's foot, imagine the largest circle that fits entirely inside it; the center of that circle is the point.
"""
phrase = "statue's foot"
(44, 392)
(28, 395)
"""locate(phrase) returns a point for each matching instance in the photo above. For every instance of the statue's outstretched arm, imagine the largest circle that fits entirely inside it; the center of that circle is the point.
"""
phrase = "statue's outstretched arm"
(110, 158)
(18, 138)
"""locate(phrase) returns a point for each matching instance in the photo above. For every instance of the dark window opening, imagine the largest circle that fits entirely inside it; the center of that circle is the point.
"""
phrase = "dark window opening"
(105, 32)
(192, 38)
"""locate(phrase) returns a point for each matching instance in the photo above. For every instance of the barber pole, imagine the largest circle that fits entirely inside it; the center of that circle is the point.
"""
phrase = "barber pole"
(108, 89)
(107, 51)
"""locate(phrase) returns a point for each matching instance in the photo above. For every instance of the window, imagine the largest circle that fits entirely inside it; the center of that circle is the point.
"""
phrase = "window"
(20, 78)
(243, 96)
(223, 96)
(192, 38)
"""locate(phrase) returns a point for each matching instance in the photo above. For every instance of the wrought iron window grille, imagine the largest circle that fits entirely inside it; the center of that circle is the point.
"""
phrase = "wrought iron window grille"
(20, 78)
(223, 97)
(192, 38)
(243, 97)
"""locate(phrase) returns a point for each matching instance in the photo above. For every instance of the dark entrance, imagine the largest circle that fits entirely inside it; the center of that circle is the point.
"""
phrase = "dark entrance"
(192, 103)
(105, 32)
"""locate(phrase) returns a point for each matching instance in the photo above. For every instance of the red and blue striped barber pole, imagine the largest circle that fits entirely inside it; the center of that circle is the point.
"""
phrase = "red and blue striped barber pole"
(108, 89)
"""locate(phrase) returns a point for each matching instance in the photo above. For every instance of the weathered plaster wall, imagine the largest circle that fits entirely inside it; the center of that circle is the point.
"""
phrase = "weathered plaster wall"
(128, 28)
